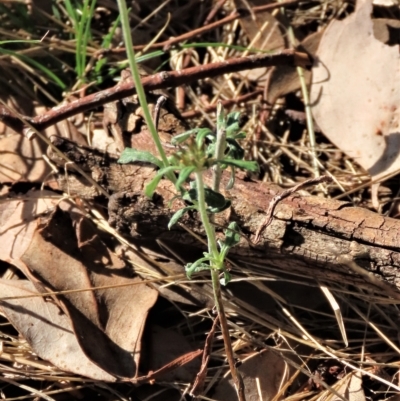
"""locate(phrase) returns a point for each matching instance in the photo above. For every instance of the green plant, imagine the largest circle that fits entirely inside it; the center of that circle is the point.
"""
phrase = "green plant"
(81, 18)
(198, 150)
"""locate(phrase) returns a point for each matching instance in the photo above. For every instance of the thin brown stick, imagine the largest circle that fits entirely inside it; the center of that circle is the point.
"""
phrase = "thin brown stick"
(176, 363)
(284, 194)
(198, 385)
(236, 376)
(214, 11)
(199, 31)
(157, 81)
(225, 103)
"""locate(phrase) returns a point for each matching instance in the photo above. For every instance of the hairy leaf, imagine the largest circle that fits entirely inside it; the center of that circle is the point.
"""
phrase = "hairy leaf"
(235, 151)
(202, 135)
(232, 236)
(231, 181)
(233, 118)
(183, 137)
(227, 205)
(197, 266)
(151, 187)
(243, 164)
(226, 279)
(184, 175)
(177, 215)
(130, 155)
(214, 199)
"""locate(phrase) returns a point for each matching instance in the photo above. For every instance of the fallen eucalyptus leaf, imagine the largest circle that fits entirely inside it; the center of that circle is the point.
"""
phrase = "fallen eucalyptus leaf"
(355, 95)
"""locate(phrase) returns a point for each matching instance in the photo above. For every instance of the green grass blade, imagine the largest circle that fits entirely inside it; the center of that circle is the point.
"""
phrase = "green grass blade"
(53, 77)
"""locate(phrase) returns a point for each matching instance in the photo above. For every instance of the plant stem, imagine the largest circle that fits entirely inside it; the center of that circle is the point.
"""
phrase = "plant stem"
(213, 250)
(201, 199)
(219, 147)
(138, 84)
(306, 100)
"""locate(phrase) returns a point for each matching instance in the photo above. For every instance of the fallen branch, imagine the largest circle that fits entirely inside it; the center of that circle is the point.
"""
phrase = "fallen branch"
(157, 81)
(308, 236)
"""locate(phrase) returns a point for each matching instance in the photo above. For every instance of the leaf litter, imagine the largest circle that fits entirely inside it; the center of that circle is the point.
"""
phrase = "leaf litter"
(355, 94)
(26, 235)
(101, 320)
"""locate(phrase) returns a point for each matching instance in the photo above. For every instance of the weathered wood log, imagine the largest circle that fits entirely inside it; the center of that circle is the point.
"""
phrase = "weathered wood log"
(324, 239)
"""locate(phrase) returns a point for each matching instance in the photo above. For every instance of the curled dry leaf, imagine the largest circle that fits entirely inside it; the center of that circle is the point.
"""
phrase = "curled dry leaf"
(61, 251)
(266, 367)
(264, 33)
(47, 330)
(285, 79)
(355, 94)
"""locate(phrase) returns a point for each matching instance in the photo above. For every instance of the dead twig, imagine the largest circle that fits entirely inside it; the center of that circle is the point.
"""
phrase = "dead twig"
(225, 103)
(285, 194)
(213, 25)
(161, 80)
(198, 385)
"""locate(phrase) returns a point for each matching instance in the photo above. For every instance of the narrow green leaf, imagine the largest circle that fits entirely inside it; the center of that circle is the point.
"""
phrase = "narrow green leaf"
(177, 215)
(182, 137)
(240, 135)
(37, 65)
(232, 129)
(149, 56)
(130, 155)
(232, 236)
(210, 151)
(235, 151)
(4, 42)
(214, 200)
(202, 135)
(231, 181)
(191, 195)
(233, 118)
(221, 122)
(151, 187)
(107, 39)
(243, 164)
(197, 266)
(184, 175)
(226, 279)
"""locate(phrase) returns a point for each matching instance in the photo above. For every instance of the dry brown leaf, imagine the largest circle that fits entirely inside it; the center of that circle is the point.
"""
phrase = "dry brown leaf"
(387, 30)
(264, 33)
(48, 331)
(267, 367)
(21, 159)
(63, 252)
(115, 317)
(355, 92)
(18, 222)
(285, 79)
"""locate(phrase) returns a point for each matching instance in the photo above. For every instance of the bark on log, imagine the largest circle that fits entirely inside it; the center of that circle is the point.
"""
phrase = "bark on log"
(309, 236)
